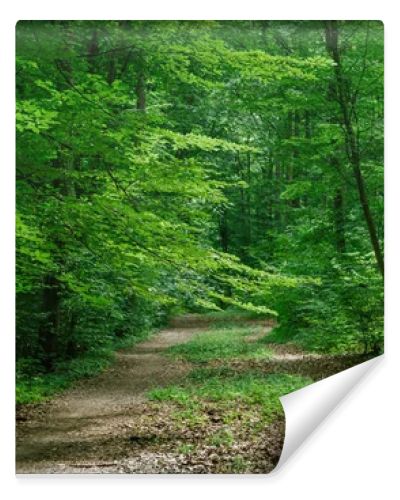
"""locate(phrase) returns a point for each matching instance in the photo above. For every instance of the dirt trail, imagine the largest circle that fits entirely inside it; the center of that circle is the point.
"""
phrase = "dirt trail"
(94, 415)
(93, 427)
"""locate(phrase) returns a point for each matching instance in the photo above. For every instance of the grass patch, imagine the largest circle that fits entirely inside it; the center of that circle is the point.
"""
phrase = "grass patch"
(230, 389)
(223, 437)
(318, 341)
(240, 465)
(231, 314)
(186, 448)
(222, 343)
(41, 387)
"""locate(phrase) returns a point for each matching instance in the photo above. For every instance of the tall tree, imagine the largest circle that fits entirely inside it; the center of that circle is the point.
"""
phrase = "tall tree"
(347, 102)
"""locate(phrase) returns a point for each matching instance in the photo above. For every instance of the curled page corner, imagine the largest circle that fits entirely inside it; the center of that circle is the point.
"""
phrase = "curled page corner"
(306, 408)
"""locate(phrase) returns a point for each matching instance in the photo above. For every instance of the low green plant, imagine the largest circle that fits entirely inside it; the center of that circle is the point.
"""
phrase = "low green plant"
(230, 341)
(37, 388)
(224, 437)
(232, 314)
(186, 448)
(239, 465)
(343, 313)
(228, 388)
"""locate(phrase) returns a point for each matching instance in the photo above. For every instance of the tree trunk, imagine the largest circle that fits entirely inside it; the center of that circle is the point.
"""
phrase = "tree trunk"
(338, 212)
(248, 202)
(343, 97)
(141, 90)
(93, 50)
(224, 232)
(49, 327)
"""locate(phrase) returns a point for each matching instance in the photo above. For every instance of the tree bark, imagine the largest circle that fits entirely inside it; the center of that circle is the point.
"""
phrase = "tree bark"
(141, 89)
(93, 49)
(338, 211)
(343, 97)
(224, 232)
(48, 330)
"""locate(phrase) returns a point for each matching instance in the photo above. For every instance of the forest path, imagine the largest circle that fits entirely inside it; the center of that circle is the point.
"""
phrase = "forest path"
(93, 427)
(88, 416)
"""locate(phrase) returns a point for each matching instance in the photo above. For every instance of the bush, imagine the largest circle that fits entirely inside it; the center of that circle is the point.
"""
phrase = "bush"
(344, 313)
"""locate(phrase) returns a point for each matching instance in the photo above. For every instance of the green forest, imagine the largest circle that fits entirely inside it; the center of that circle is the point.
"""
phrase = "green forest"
(194, 166)
(214, 169)
(199, 230)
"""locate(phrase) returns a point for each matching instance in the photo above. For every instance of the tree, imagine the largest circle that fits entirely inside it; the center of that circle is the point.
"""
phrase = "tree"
(168, 166)
(347, 101)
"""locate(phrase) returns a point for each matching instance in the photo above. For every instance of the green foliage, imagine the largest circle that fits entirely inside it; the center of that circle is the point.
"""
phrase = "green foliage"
(344, 313)
(38, 388)
(194, 166)
(35, 386)
(224, 437)
(233, 316)
(186, 448)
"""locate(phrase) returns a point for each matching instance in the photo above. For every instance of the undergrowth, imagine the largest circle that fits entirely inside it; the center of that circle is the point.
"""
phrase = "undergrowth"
(318, 341)
(230, 389)
(230, 341)
(42, 386)
(232, 314)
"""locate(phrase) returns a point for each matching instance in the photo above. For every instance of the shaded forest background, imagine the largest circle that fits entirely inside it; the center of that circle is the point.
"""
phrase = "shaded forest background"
(165, 167)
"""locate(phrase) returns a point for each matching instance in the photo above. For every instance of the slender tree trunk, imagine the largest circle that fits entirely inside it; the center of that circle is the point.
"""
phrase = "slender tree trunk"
(338, 211)
(48, 329)
(112, 70)
(295, 174)
(248, 203)
(289, 135)
(93, 49)
(141, 89)
(224, 232)
(342, 93)
(268, 197)
(279, 213)
(307, 125)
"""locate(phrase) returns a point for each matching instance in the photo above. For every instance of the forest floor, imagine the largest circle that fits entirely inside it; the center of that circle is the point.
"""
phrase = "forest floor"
(197, 397)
